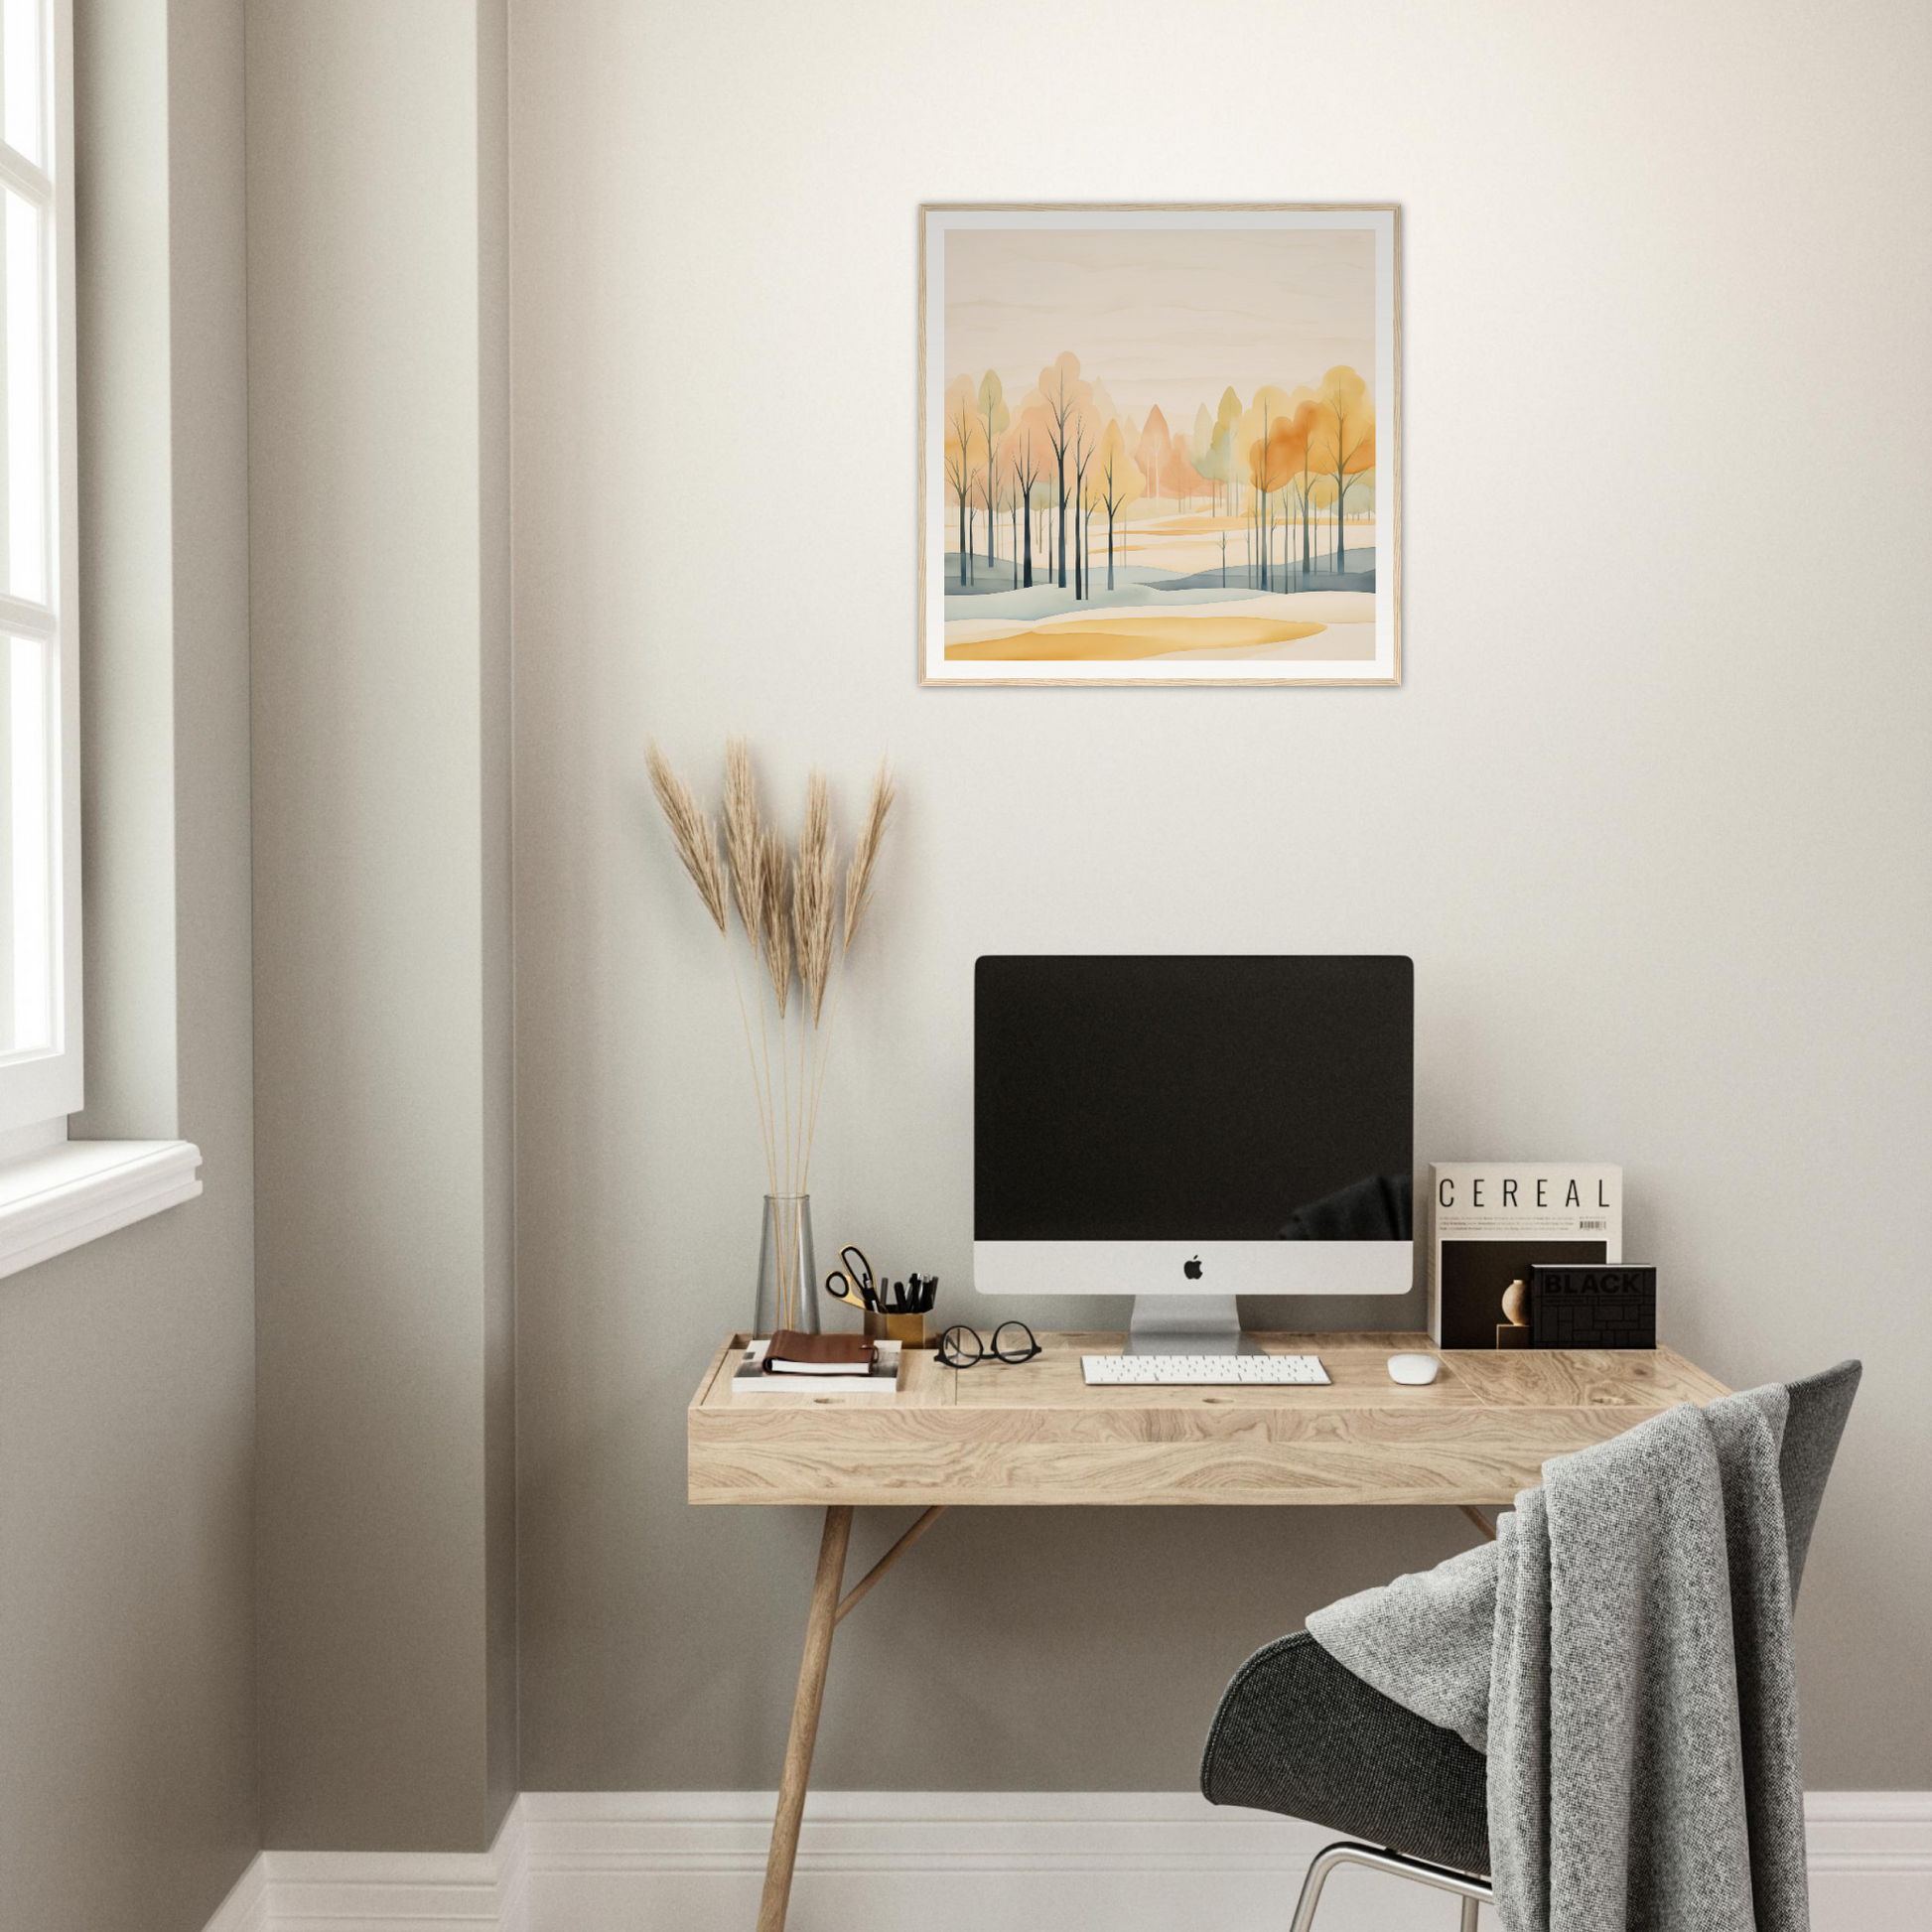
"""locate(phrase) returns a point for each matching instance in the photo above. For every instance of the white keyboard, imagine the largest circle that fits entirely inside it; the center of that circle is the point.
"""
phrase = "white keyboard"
(1202, 1372)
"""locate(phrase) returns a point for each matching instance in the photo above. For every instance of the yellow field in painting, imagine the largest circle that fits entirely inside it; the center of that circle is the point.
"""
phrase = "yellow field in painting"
(1117, 638)
(1195, 542)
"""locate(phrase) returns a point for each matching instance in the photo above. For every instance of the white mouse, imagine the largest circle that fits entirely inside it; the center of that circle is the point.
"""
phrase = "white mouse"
(1413, 1369)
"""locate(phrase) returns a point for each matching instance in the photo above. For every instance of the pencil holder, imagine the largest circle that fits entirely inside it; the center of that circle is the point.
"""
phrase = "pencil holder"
(906, 1329)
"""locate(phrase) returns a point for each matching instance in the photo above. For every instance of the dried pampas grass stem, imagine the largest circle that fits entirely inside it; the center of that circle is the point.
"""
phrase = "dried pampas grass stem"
(774, 919)
(788, 912)
(814, 911)
(814, 896)
(865, 852)
(742, 847)
(858, 899)
(691, 833)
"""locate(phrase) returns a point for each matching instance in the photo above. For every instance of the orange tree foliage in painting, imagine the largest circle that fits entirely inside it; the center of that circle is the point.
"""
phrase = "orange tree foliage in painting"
(1347, 432)
(1063, 456)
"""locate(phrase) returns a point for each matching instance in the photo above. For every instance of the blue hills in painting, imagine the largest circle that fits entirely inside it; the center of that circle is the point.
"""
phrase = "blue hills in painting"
(993, 595)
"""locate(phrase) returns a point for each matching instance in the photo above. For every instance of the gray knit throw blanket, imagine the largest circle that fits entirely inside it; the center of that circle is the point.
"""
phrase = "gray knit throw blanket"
(1622, 1652)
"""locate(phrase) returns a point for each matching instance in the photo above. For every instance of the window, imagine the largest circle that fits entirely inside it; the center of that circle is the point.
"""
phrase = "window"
(39, 846)
(54, 1194)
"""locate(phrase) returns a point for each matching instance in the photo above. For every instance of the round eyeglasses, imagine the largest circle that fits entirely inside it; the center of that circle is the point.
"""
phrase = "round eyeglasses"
(962, 1348)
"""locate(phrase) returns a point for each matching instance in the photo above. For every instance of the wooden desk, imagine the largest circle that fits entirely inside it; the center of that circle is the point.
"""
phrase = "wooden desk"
(1033, 1434)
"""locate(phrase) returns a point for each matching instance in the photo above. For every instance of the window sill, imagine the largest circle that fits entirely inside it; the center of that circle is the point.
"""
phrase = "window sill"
(78, 1190)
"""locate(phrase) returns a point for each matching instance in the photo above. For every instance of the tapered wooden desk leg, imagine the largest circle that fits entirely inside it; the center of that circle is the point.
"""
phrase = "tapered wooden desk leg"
(1478, 1519)
(804, 1719)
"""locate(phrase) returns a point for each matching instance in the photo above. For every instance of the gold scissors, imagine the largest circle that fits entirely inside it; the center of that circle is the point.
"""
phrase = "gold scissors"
(853, 1281)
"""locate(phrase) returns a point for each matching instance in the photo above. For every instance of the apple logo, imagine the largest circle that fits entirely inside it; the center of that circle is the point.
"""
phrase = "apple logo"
(1192, 1268)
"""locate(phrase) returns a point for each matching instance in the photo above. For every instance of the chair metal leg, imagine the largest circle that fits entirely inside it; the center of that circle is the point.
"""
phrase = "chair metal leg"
(1473, 1892)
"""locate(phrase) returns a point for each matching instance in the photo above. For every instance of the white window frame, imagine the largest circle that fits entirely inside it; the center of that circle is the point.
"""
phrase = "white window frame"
(54, 1192)
(38, 1089)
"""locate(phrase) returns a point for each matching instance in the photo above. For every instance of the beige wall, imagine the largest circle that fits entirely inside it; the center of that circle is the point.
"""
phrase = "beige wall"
(127, 1776)
(378, 508)
(495, 856)
(1651, 811)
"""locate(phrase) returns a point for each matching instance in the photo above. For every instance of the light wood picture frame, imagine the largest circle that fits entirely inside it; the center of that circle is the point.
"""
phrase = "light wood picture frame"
(1160, 444)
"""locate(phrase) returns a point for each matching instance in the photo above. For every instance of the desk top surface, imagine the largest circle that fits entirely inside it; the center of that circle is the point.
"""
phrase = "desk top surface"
(1035, 1434)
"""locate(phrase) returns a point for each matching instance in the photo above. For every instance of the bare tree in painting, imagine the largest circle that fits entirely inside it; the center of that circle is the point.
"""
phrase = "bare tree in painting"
(1287, 444)
(1323, 496)
(1063, 392)
(965, 456)
(1306, 424)
(1083, 429)
(994, 419)
(1116, 482)
(1025, 454)
(1009, 503)
(1261, 459)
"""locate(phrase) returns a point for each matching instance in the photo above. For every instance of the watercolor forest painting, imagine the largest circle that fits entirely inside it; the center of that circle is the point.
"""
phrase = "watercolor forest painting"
(1158, 446)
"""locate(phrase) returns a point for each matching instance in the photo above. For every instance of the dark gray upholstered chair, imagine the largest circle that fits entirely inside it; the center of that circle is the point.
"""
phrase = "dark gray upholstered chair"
(1298, 1734)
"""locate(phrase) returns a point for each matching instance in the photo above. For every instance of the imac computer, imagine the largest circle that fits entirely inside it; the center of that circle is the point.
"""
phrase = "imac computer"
(1186, 1129)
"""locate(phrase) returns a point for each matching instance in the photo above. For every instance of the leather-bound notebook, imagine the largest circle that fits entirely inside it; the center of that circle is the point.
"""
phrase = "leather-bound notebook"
(794, 1353)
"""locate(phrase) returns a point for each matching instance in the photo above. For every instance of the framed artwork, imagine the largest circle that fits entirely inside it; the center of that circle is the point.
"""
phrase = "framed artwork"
(1158, 444)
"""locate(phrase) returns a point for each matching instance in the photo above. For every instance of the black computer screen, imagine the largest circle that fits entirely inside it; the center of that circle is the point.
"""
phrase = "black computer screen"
(1207, 1098)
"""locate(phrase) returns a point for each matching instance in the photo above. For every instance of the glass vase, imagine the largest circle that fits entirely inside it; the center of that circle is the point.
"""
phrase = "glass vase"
(788, 1273)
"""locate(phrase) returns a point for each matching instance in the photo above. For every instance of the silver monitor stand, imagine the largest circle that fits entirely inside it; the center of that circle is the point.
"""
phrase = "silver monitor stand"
(1186, 1325)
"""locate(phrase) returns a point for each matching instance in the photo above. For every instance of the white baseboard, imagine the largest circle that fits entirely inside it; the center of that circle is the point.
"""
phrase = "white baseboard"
(952, 1861)
(246, 1909)
(384, 1891)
